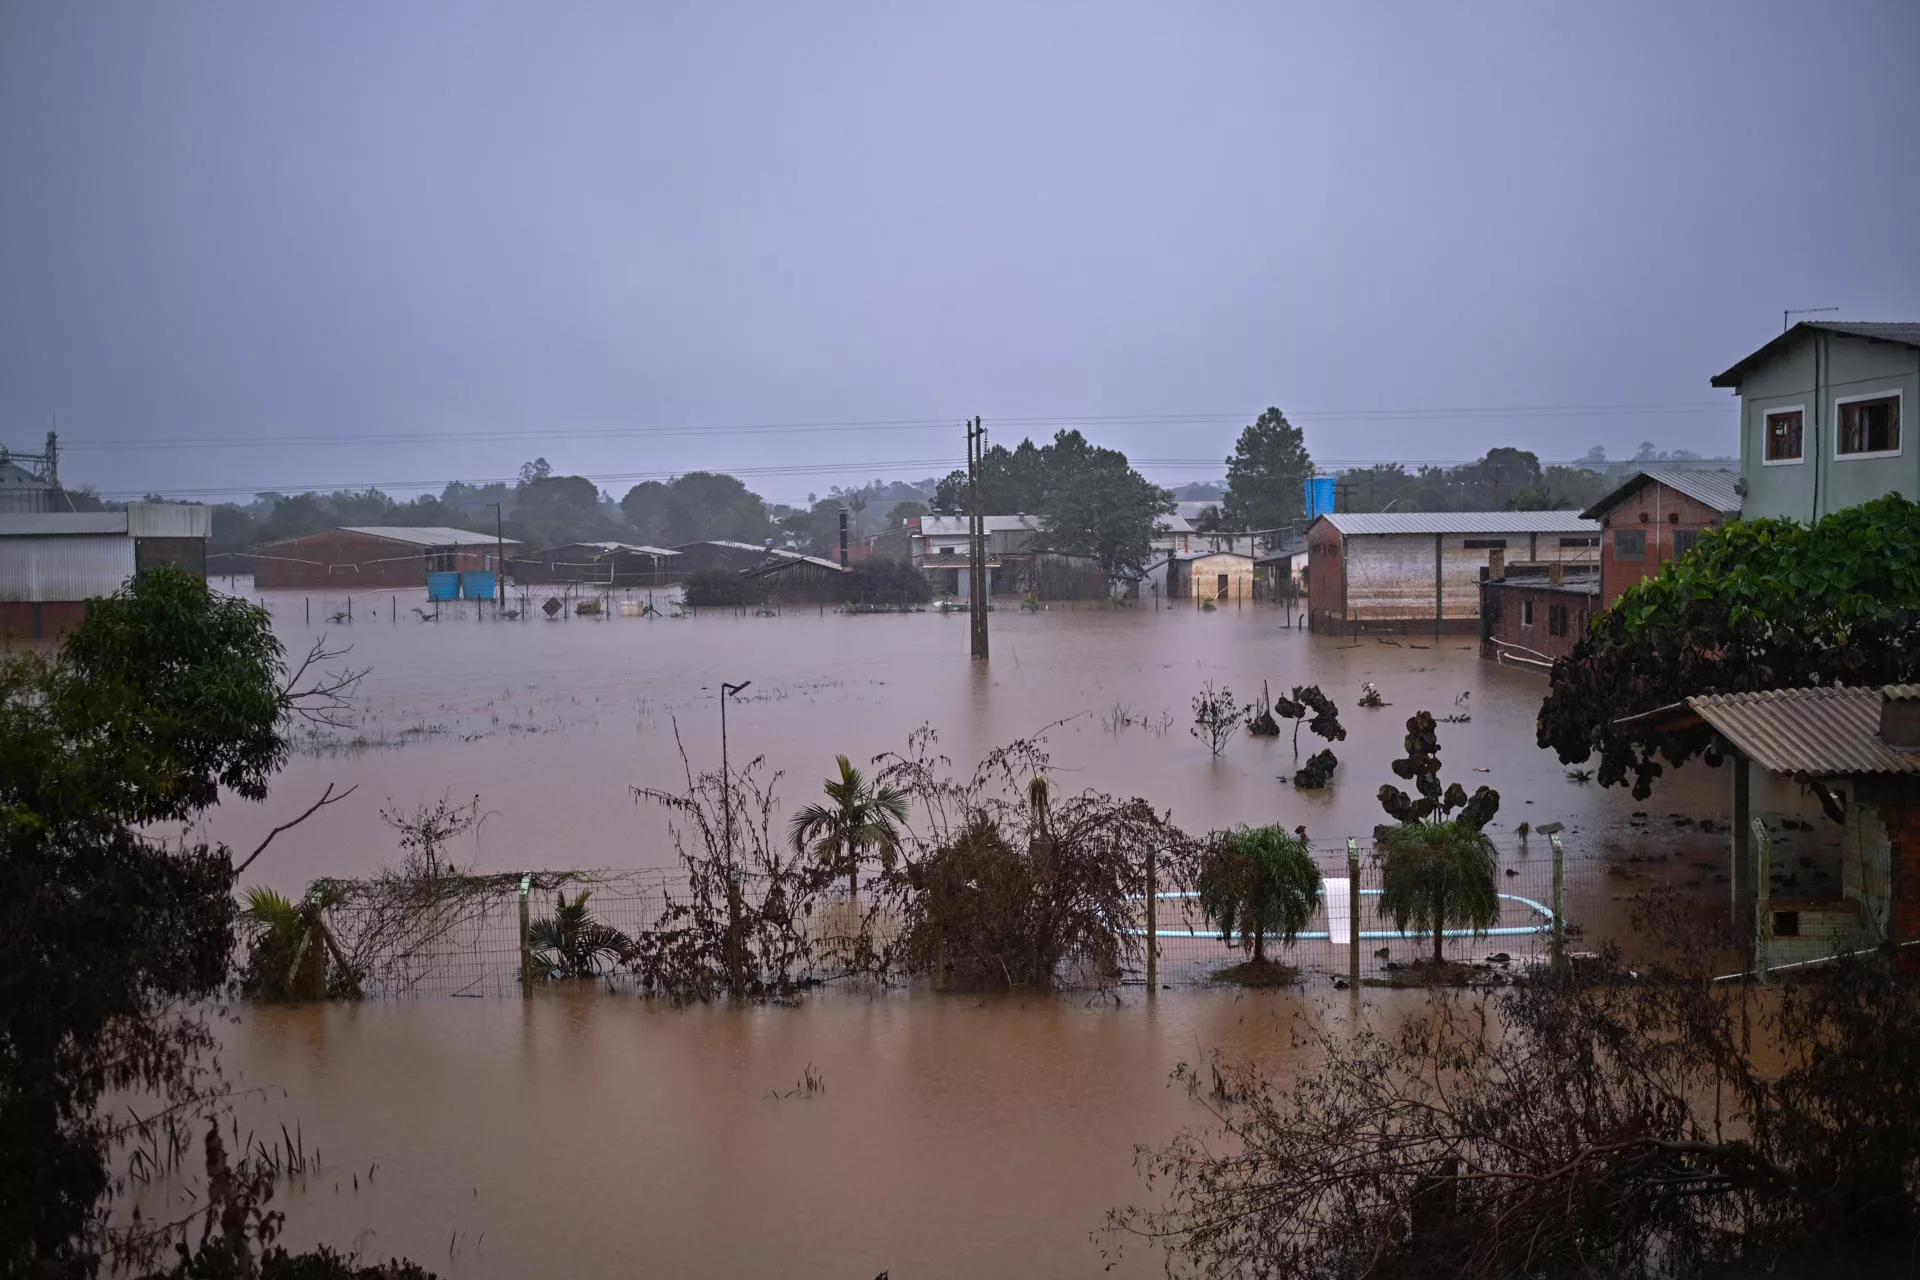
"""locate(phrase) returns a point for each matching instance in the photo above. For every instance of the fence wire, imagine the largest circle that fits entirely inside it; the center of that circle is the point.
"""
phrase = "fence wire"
(461, 936)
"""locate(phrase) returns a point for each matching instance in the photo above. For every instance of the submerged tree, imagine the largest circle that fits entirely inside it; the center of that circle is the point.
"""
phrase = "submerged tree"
(1256, 882)
(1309, 700)
(1215, 717)
(571, 943)
(291, 953)
(1438, 869)
(859, 817)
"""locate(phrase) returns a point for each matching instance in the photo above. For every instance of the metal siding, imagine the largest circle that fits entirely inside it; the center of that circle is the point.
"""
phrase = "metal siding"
(64, 569)
(1469, 523)
(168, 520)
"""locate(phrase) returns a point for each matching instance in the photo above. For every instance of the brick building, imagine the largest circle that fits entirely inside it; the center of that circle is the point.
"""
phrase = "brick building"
(1533, 614)
(1420, 572)
(1656, 517)
(53, 562)
(362, 556)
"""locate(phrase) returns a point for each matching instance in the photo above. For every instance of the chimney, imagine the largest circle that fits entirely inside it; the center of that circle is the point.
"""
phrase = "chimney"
(1556, 573)
(1497, 563)
(1900, 718)
(843, 537)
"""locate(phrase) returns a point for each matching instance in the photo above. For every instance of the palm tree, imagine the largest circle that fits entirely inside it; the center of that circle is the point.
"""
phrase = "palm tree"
(1439, 875)
(1259, 881)
(572, 943)
(857, 818)
(289, 947)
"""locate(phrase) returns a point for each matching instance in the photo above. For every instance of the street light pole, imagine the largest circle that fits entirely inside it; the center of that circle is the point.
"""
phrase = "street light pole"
(736, 965)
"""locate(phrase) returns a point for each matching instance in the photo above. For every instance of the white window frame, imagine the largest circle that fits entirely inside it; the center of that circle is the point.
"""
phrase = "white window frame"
(1891, 393)
(1765, 425)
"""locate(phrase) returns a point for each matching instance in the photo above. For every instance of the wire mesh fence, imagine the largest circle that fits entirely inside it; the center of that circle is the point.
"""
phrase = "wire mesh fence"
(480, 936)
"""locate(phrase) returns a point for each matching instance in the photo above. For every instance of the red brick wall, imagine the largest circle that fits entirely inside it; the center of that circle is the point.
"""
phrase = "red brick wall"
(1661, 512)
(1506, 602)
(1326, 580)
(336, 560)
(21, 620)
(1903, 835)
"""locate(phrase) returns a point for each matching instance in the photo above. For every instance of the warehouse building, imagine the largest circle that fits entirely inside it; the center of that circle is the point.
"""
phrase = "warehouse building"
(1420, 572)
(361, 556)
(53, 562)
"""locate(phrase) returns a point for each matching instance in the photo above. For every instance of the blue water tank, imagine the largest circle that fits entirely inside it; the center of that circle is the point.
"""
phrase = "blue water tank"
(477, 584)
(1319, 496)
(443, 586)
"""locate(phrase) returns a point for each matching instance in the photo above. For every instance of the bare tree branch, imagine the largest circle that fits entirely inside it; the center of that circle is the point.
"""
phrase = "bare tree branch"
(326, 798)
(325, 699)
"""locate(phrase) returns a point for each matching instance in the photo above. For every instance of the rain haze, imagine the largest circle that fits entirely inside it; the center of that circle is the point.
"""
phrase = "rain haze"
(268, 247)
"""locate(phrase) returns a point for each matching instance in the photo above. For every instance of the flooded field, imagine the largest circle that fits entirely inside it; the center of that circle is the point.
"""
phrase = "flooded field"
(551, 723)
(593, 1134)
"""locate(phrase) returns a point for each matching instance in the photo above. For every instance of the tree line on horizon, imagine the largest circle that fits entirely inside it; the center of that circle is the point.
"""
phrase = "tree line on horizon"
(1088, 499)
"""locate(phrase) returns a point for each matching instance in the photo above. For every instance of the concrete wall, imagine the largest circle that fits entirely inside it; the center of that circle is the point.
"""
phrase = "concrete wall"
(1200, 578)
(1820, 484)
(1660, 512)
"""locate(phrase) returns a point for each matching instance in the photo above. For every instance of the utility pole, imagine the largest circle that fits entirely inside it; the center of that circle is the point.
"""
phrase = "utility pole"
(976, 541)
(499, 560)
(736, 959)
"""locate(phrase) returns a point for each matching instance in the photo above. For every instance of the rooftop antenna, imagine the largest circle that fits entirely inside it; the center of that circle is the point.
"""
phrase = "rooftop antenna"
(1786, 316)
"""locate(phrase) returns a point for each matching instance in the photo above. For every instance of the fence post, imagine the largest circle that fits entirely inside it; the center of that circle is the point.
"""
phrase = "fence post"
(1353, 914)
(1153, 925)
(1762, 898)
(349, 609)
(1558, 938)
(526, 936)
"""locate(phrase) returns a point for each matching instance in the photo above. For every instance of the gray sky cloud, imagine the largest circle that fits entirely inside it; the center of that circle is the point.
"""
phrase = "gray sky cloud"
(438, 240)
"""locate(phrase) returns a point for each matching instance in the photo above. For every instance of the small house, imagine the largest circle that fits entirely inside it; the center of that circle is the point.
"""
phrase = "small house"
(607, 564)
(1823, 417)
(1414, 572)
(1656, 517)
(359, 557)
(53, 562)
(1531, 614)
(1225, 577)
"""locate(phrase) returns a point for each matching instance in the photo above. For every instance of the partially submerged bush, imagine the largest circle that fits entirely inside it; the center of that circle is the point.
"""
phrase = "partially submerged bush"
(291, 953)
(570, 943)
(1621, 1125)
(887, 580)
(1317, 772)
(1215, 716)
(721, 589)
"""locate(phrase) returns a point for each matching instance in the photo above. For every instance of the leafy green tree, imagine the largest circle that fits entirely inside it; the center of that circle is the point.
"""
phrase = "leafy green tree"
(1758, 604)
(705, 505)
(233, 530)
(164, 696)
(1105, 510)
(901, 512)
(1259, 882)
(1438, 869)
(857, 817)
(1266, 476)
(645, 508)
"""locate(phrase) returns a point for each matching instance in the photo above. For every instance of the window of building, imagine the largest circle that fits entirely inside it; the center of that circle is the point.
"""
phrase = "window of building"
(1684, 540)
(1629, 544)
(1485, 544)
(947, 551)
(1783, 436)
(1868, 426)
(443, 560)
(1580, 542)
(1526, 613)
(1556, 619)
(1786, 924)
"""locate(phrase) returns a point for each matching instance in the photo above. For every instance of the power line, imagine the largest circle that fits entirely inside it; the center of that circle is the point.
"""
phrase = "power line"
(670, 430)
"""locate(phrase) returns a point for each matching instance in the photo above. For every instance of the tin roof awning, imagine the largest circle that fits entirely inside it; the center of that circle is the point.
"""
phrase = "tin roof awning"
(1828, 732)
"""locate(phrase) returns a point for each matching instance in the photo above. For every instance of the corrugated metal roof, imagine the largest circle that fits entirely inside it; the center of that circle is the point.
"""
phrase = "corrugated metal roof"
(1351, 524)
(622, 546)
(1813, 733)
(1718, 489)
(59, 524)
(424, 535)
(1903, 332)
(952, 526)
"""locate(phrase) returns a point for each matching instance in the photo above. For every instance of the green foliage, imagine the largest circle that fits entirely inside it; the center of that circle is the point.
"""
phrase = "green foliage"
(721, 589)
(1259, 882)
(1505, 479)
(881, 580)
(858, 816)
(572, 944)
(1758, 604)
(1317, 772)
(164, 694)
(1266, 476)
(901, 512)
(705, 505)
(1437, 876)
(1433, 803)
(291, 954)
(1325, 715)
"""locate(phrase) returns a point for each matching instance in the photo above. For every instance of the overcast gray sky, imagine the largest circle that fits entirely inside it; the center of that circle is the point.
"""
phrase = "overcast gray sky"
(416, 242)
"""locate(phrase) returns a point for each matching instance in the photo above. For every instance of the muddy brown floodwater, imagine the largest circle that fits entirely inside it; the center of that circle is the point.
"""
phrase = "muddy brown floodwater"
(582, 1133)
